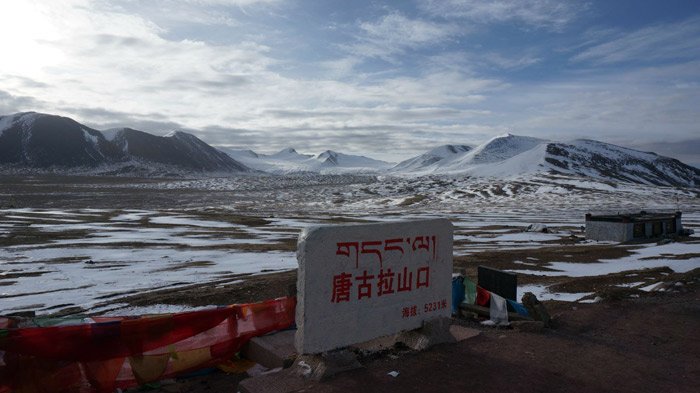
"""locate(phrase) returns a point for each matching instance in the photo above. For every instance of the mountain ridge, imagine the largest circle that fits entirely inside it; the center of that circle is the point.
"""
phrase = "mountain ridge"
(36, 141)
(30, 140)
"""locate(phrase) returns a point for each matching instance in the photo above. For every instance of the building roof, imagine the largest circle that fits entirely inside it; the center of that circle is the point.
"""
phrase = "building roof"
(633, 217)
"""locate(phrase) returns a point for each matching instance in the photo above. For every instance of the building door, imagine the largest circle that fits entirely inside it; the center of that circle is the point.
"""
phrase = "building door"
(671, 227)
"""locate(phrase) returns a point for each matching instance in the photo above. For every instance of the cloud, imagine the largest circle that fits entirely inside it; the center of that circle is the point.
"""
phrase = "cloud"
(686, 151)
(394, 33)
(10, 103)
(390, 83)
(549, 14)
(669, 41)
(623, 107)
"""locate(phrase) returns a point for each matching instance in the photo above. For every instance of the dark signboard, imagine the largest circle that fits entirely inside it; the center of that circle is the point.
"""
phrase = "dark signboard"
(498, 282)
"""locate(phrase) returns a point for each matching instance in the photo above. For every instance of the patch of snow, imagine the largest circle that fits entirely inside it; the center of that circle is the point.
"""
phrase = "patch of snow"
(542, 293)
(644, 258)
(112, 133)
(189, 221)
(5, 123)
(652, 287)
(89, 137)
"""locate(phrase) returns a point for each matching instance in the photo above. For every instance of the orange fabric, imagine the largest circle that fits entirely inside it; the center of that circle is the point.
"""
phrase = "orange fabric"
(124, 352)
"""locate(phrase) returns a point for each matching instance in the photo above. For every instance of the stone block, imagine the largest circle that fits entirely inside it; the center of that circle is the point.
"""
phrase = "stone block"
(272, 350)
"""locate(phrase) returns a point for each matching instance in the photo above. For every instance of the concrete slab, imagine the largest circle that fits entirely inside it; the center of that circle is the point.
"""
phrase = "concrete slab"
(272, 350)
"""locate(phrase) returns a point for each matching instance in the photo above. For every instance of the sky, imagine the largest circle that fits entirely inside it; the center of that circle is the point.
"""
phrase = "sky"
(386, 79)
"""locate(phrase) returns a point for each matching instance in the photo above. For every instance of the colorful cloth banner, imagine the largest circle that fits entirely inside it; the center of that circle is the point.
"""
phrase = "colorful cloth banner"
(519, 308)
(122, 352)
(483, 297)
(469, 291)
(498, 311)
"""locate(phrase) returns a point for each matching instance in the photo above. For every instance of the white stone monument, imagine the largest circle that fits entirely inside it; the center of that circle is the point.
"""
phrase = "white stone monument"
(360, 282)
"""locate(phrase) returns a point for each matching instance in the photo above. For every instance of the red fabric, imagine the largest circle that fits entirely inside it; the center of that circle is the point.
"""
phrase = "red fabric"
(483, 297)
(125, 352)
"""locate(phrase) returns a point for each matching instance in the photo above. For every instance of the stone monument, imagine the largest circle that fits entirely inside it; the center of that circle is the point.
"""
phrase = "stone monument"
(360, 282)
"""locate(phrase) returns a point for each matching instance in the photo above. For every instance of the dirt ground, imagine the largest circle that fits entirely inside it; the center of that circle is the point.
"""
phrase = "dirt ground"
(623, 344)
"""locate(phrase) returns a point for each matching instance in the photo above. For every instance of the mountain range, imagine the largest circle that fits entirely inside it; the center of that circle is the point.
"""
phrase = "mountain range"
(40, 142)
(290, 161)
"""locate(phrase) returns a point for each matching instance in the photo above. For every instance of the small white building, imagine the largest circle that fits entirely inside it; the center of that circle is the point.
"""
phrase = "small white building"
(636, 226)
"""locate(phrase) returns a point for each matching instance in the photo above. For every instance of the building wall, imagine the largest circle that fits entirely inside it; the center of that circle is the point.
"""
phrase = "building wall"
(609, 231)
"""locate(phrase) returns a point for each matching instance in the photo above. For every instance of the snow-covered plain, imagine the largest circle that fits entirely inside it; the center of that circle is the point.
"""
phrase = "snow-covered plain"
(60, 257)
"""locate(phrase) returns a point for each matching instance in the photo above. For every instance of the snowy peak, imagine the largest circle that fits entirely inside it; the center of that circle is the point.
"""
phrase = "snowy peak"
(448, 150)
(328, 157)
(289, 154)
(432, 159)
(327, 162)
(511, 155)
(502, 148)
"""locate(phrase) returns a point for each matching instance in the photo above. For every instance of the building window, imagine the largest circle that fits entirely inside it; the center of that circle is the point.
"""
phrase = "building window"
(657, 228)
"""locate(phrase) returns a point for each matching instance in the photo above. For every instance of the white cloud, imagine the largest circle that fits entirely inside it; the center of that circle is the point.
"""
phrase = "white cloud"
(394, 33)
(232, 2)
(670, 41)
(109, 66)
(553, 14)
(396, 28)
(624, 107)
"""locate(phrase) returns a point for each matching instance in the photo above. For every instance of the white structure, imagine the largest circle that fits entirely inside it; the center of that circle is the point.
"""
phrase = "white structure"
(627, 227)
(359, 282)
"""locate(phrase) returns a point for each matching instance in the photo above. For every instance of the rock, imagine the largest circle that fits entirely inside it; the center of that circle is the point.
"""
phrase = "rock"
(272, 350)
(435, 331)
(536, 309)
(537, 228)
(326, 365)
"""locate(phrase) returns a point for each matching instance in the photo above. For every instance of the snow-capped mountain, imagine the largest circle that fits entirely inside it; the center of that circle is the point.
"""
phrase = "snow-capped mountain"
(510, 155)
(40, 141)
(290, 161)
(431, 158)
(603, 160)
(177, 148)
